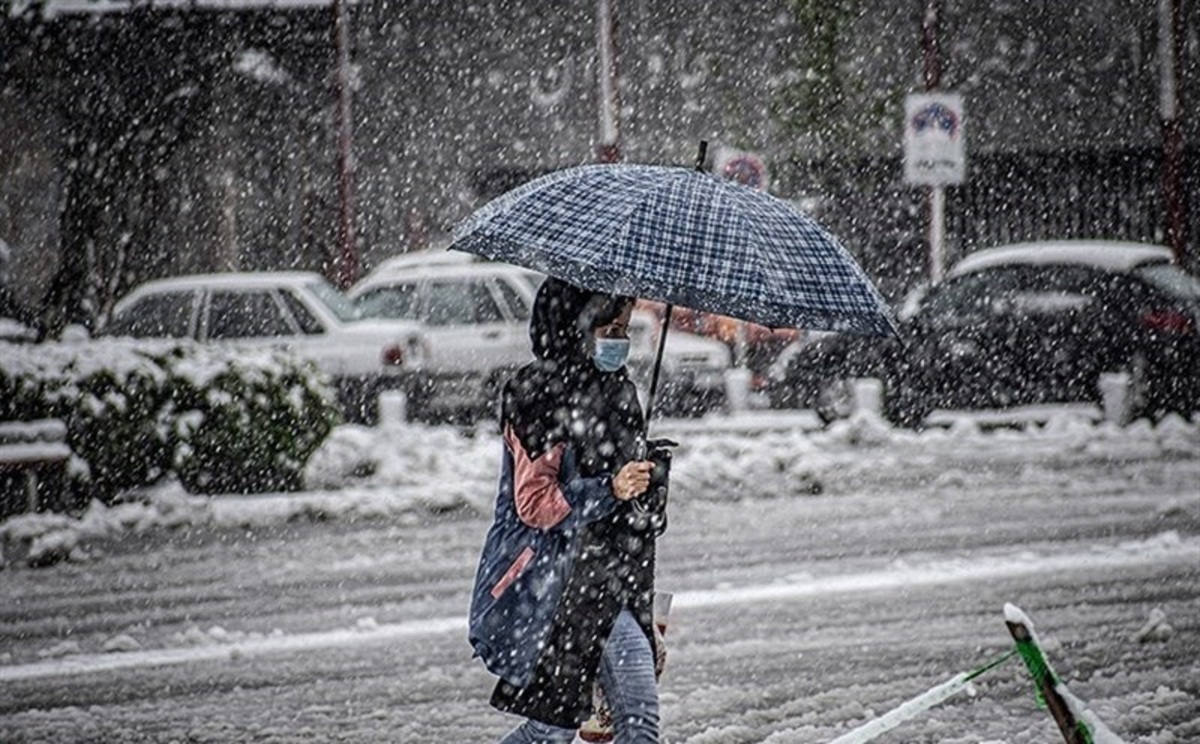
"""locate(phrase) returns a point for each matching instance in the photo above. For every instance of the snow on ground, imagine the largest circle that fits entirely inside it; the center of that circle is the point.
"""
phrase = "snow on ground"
(821, 578)
(406, 471)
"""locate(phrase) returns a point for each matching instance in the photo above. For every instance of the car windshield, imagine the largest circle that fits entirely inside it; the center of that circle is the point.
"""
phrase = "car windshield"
(341, 307)
(389, 301)
(1172, 280)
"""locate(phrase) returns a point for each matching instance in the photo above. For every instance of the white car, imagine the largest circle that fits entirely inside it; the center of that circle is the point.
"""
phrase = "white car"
(476, 331)
(299, 312)
(692, 378)
(475, 321)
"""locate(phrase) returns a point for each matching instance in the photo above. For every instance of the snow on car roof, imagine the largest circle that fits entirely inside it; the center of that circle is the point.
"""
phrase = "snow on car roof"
(387, 274)
(1102, 254)
(430, 257)
(234, 279)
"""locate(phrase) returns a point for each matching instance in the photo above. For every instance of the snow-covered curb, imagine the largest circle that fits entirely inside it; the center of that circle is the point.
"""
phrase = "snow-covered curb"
(406, 472)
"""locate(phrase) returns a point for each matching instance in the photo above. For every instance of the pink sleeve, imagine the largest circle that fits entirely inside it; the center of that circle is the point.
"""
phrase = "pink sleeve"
(537, 495)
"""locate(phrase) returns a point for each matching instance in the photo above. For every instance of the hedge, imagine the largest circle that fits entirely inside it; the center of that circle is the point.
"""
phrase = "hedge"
(221, 419)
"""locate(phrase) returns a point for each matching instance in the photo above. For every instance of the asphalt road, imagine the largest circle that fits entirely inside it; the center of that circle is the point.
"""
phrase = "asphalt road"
(796, 617)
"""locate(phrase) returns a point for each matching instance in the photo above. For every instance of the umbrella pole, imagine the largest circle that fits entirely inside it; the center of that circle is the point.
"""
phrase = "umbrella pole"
(701, 156)
(662, 344)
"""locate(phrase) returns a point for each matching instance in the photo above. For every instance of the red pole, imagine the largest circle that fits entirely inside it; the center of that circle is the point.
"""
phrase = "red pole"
(609, 148)
(347, 268)
(1174, 201)
(930, 28)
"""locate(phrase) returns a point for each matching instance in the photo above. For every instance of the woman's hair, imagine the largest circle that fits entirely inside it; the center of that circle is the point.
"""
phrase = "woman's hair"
(602, 309)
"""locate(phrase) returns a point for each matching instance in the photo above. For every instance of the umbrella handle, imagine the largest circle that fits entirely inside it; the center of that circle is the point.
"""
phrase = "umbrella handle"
(662, 344)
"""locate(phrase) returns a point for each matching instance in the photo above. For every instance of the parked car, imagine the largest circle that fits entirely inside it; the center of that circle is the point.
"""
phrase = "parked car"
(756, 347)
(1025, 324)
(475, 317)
(475, 320)
(817, 370)
(296, 311)
(692, 377)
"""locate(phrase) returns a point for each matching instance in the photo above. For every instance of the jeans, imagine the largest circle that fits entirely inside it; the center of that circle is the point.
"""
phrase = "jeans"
(627, 676)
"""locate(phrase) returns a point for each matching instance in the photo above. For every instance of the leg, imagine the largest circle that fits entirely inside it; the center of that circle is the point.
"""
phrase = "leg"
(536, 732)
(627, 675)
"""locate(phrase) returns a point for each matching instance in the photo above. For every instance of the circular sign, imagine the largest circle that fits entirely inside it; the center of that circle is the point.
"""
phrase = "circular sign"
(936, 117)
(746, 169)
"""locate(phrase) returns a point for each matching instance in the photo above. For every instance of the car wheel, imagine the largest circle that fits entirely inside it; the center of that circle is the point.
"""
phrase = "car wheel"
(905, 406)
(416, 403)
(836, 399)
(781, 395)
(357, 400)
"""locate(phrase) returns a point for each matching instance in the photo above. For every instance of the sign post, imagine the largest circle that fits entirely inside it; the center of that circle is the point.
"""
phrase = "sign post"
(934, 156)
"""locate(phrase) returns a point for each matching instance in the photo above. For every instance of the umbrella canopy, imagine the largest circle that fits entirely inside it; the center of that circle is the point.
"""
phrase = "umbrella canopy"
(683, 237)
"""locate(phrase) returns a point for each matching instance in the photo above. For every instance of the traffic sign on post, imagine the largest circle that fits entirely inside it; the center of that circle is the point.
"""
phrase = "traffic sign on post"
(745, 168)
(934, 156)
(933, 139)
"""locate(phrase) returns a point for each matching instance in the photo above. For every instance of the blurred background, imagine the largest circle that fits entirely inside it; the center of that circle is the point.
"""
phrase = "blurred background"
(147, 139)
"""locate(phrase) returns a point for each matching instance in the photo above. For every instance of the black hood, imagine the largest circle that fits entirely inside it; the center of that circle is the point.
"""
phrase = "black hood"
(563, 316)
(562, 386)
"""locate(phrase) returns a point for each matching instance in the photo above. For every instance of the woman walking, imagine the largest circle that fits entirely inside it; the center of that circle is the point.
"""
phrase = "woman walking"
(563, 595)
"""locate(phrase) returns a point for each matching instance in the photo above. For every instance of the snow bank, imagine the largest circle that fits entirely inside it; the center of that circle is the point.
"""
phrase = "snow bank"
(406, 471)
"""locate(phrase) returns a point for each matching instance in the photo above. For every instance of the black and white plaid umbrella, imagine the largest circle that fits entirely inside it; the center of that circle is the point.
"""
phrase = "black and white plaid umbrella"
(683, 237)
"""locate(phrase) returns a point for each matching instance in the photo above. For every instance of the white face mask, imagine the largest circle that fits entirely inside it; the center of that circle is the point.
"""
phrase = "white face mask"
(610, 354)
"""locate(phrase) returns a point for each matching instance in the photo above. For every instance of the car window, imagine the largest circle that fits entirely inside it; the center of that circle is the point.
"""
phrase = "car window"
(340, 305)
(167, 315)
(531, 279)
(517, 302)
(1049, 290)
(1172, 280)
(300, 313)
(971, 296)
(245, 315)
(460, 303)
(389, 301)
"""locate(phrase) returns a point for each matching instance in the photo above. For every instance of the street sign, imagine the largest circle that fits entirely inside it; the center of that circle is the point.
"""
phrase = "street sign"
(741, 167)
(933, 139)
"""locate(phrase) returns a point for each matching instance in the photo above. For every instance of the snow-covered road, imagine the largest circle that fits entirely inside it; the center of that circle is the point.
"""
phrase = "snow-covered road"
(820, 578)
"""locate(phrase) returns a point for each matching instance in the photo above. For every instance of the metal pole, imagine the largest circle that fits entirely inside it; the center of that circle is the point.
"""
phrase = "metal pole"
(347, 269)
(937, 233)
(935, 197)
(609, 148)
(1174, 201)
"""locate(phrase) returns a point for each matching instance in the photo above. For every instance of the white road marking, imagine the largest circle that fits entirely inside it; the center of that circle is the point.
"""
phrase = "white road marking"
(1164, 549)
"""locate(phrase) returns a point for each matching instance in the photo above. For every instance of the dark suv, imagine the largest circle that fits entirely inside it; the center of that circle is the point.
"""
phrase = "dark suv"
(1036, 323)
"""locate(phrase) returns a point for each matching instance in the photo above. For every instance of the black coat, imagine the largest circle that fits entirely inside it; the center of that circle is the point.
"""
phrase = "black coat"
(562, 397)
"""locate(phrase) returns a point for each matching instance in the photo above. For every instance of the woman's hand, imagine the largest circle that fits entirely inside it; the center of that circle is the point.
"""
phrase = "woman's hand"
(632, 480)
